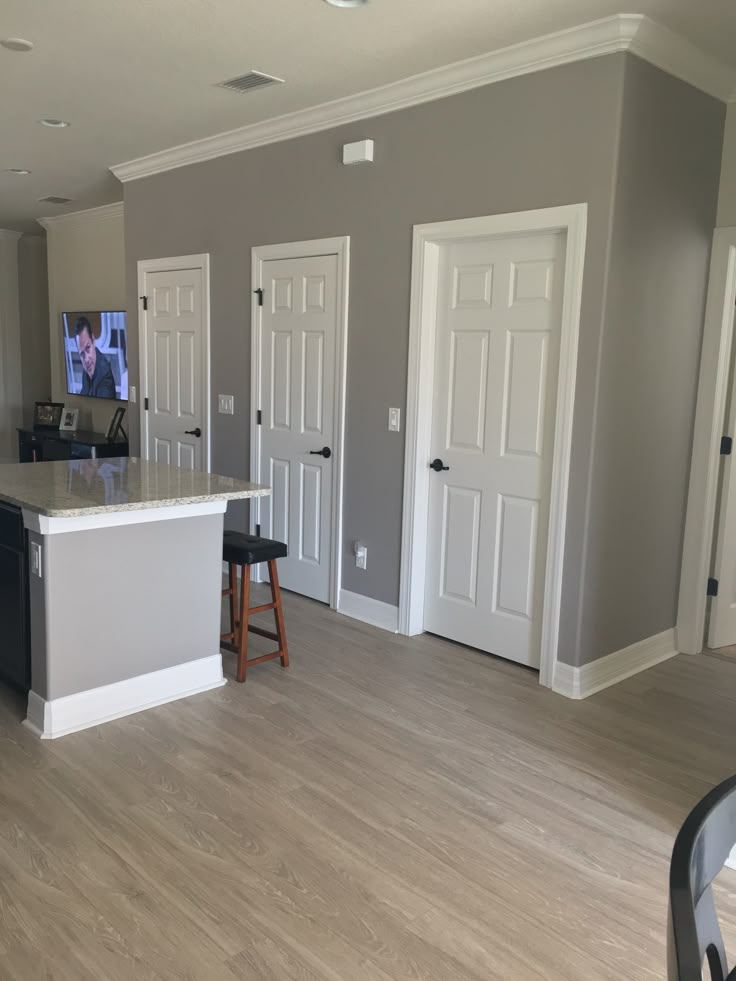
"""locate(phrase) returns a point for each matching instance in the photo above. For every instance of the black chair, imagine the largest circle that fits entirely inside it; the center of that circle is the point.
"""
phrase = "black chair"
(241, 551)
(701, 847)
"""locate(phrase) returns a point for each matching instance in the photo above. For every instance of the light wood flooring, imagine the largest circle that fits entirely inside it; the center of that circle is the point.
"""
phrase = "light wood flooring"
(387, 808)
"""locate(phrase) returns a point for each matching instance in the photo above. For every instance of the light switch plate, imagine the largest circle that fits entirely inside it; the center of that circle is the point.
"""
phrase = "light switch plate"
(361, 555)
(133, 394)
(394, 420)
(226, 404)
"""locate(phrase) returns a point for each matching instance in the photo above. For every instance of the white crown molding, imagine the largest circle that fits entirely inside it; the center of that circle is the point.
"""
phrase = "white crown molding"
(104, 213)
(621, 32)
(673, 54)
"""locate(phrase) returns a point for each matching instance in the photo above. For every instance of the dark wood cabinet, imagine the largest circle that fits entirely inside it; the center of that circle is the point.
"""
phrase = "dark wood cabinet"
(15, 643)
(38, 446)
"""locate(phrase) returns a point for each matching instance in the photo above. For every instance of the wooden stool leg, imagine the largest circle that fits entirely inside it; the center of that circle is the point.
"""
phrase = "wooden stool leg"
(233, 584)
(278, 612)
(243, 628)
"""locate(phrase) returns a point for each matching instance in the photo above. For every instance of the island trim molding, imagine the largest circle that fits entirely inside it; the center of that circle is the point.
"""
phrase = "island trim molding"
(45, 524)
(61, 716)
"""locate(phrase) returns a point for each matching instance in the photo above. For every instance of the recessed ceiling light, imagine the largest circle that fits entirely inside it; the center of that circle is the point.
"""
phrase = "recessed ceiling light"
(347, 3)
(16, 170)
(16, 44)
(54, 123)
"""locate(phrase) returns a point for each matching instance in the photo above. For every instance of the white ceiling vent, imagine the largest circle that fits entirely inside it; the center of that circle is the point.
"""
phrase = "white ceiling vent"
(54, 199)
(248, 82)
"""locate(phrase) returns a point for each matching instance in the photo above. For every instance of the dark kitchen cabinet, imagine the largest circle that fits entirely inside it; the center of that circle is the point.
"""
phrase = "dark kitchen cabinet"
(15, 646)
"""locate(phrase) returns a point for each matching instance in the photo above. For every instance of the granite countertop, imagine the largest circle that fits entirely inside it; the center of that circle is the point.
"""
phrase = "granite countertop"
(71, 488)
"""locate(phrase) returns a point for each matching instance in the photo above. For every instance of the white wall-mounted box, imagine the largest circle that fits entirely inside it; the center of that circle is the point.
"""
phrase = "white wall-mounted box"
(360, 152)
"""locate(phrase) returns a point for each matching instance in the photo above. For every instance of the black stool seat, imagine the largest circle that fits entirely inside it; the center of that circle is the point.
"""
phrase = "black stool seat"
(241, 549)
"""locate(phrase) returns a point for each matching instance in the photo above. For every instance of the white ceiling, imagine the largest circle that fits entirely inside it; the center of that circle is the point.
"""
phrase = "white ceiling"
(136, 77)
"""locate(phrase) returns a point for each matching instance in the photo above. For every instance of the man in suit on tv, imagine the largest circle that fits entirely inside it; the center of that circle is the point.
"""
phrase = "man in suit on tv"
(97, 377)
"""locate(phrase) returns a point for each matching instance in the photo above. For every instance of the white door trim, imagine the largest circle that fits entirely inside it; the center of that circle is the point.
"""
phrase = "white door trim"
(715, 364)
(428, 239)
(339, 247)
(171, 264)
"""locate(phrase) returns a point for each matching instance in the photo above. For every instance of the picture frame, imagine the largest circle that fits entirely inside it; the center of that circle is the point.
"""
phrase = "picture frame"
(47, 415)
(116, 425)
(69, 419)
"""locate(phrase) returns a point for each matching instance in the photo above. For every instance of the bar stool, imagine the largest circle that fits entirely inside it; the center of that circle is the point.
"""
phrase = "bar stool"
(242, 551)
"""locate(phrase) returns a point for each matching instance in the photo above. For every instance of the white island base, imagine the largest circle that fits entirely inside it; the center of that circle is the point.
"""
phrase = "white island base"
(125, 598)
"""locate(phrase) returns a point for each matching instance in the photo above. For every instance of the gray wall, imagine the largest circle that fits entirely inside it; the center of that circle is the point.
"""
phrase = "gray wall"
(664, 214)
(613, 132)
(531, 142)
(105, 612)
(33, 297)
(727, 196)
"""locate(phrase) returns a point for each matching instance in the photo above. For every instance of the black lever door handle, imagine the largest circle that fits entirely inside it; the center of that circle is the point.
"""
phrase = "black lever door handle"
(326, 452)
(194, 432)
(438, 465)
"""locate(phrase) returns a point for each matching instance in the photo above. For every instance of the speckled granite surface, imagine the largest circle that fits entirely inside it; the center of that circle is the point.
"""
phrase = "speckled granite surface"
(71, 488)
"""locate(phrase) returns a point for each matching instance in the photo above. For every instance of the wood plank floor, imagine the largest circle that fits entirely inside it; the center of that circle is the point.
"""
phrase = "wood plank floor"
(388, 808)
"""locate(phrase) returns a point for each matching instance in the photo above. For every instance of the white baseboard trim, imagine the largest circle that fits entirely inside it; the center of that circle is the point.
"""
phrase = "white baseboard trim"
(372, 611)
(60, 716)
(730, 862)
(606, 671)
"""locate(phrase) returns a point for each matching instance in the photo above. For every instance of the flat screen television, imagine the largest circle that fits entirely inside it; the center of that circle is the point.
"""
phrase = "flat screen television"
(96, 353)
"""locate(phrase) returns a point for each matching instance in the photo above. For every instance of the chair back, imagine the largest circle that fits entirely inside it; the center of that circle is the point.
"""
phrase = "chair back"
(701, 847)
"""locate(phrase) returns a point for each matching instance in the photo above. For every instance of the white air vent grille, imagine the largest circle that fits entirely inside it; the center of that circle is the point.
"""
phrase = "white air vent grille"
(54, 199)
(251, 80)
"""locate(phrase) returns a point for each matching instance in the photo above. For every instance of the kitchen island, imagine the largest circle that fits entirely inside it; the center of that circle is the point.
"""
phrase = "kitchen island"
(123, 584)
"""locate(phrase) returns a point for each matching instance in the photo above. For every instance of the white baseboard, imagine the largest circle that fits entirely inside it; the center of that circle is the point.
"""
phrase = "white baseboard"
(730, 862)
(606, 671)
(60, 716)
(372, 611)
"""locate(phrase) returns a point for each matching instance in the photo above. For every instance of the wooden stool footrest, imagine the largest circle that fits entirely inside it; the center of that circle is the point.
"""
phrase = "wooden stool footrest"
(261, 609)
(262, 632)
(263, 657)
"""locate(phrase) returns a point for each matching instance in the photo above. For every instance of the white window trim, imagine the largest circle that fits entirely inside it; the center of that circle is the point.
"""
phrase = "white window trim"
(339, 247)
(428, 239)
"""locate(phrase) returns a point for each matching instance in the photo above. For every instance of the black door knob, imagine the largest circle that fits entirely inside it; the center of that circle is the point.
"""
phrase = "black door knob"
(438, 465)
(194, 432)
(326, 452)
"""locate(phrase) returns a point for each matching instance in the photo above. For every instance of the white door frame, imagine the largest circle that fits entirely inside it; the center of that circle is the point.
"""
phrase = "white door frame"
(428, 240)
(710, 414)
(171, 264)
(339, 247)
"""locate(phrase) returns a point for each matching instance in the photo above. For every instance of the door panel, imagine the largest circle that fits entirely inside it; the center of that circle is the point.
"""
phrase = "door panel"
(461, 527)
(495, 392)
(297, 372)
(176, 383)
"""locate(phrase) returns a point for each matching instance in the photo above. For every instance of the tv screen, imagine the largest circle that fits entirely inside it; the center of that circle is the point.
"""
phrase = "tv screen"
(96, 354)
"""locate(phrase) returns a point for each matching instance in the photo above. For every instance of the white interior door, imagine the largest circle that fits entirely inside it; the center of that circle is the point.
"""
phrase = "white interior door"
(722, 625)
(299, 326)
(495, 391)
(175, 337)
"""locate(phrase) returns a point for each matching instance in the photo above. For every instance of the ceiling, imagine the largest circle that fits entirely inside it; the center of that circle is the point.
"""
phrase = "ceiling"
(136, 77)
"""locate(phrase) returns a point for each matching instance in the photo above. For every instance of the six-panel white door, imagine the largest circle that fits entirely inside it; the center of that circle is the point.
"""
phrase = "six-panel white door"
(495, 393)
(297, 384)
(176, 383)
